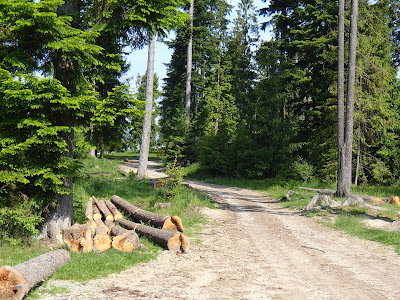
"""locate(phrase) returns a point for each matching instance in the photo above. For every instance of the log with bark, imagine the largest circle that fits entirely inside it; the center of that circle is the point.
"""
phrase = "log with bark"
(117, 215)
(123, 239)
(89, 209)
(96, 213)
(170, 240)
(102, 241)
(170, 223)
(78, 237)
(103, 209)
(16, 282)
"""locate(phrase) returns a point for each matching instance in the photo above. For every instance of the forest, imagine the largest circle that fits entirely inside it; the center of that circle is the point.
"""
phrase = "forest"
(237, 105)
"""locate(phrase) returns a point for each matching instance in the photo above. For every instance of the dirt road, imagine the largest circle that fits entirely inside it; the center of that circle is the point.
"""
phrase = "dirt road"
(254, 249)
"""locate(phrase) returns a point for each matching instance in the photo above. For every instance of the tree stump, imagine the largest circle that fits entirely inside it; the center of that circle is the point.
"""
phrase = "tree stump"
(173, 241)
(139, 215)
(78, 237)
(16, 282)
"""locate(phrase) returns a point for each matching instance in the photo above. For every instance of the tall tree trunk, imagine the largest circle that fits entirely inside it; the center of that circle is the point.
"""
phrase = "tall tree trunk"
(64, 70)
(189, 67)
(145, 143)
(340, 100)
(348, 144)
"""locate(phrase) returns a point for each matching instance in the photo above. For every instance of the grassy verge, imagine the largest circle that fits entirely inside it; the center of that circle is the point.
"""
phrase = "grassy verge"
(348, 220)
(82, 267)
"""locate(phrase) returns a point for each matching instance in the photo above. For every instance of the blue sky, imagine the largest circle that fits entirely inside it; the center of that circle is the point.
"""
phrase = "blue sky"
(138, 58)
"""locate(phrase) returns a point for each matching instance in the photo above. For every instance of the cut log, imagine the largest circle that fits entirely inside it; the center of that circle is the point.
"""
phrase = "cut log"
(78, 237)
(171, 223)
(115, 212)
(92, 225)
(173, 241)
(123, 239)
(96, 213)
(103, 209)
(102, 241)
(89, 209)
(16, 282)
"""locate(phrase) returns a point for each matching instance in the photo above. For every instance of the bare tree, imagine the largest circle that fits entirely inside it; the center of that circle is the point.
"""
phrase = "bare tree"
(189, 67)
(146, 131)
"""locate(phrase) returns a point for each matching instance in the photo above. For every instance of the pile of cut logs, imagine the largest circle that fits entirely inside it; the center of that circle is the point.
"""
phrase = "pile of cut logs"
(103, 218)
(103, 231)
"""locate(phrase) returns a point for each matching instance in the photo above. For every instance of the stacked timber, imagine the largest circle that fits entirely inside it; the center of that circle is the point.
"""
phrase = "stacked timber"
(100, 233)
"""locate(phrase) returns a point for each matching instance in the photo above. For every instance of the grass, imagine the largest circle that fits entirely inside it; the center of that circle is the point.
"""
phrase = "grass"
(352, 225)
(86, 266)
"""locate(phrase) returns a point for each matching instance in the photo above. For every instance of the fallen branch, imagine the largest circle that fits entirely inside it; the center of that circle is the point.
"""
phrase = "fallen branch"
(173, 241)
(16, 282)
(139, 215)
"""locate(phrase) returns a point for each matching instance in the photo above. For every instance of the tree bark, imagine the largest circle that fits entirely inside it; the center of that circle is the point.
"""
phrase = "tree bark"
(188, 94)
(115, 212)
(348, 148)
(146, 131)
(344, 180)
(173, 241)
(89, 209)
(96, 213)
(340, 101)
(170, 223)
(16, 282)
(103, 209)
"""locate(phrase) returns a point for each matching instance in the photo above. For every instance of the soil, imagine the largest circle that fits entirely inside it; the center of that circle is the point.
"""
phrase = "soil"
(252, 248)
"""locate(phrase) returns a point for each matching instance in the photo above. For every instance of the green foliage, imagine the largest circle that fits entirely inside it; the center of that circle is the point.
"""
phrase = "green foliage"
(18, 220)
(113, 119)
(175, 174)
(302, 169)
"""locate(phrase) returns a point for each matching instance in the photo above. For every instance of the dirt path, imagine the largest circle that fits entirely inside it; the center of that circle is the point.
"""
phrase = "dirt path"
(254, 249)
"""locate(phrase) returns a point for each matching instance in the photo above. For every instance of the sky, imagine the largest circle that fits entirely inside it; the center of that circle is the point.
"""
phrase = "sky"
(138, 58)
